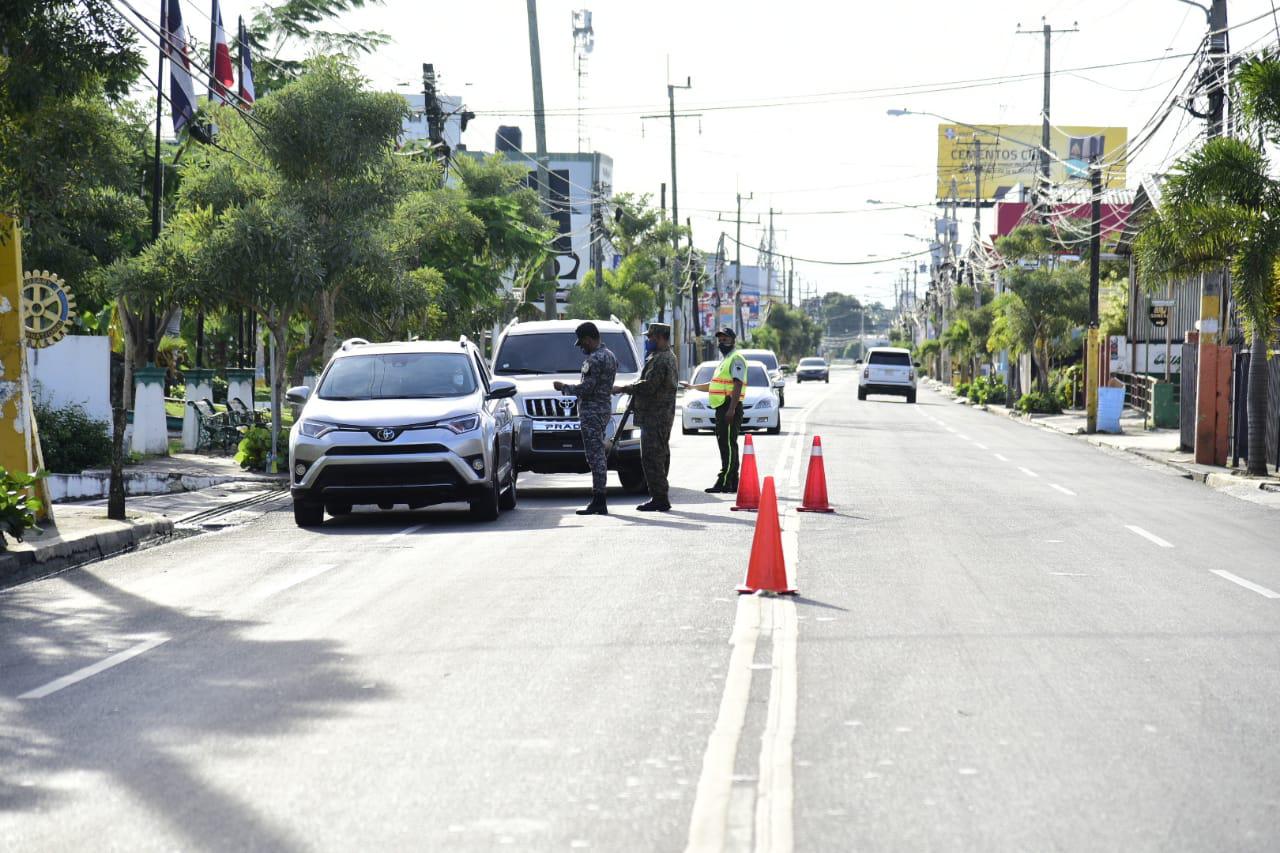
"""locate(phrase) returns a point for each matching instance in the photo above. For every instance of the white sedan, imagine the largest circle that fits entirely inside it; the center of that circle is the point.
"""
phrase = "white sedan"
(760, 409)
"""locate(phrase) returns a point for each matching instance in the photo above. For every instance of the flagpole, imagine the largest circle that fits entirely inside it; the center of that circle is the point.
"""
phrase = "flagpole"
(157, 179)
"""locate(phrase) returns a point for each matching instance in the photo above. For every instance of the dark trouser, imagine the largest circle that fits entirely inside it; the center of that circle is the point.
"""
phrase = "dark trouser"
(727, 432)
(655, 454)
(594, 426)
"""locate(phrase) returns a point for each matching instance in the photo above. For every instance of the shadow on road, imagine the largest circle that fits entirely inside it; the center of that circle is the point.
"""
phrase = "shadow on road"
(144, 724)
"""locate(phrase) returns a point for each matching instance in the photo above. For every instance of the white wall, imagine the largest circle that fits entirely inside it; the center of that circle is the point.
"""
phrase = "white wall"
(74, 371)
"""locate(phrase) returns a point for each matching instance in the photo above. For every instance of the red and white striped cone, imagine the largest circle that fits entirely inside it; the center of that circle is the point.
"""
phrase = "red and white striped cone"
(815, 483)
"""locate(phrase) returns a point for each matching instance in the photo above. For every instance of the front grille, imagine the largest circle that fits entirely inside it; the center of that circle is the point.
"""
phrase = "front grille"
(412, 474)
(386, 450)
(557, 441)
(551, 408)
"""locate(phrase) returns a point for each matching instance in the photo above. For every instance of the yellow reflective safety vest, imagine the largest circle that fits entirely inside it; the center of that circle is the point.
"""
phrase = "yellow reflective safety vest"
(721, 385)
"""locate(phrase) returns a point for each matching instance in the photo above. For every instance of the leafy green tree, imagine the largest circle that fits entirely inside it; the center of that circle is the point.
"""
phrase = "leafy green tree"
(1046, 300)
(1220, 206)
(841, 314)
(282, 31)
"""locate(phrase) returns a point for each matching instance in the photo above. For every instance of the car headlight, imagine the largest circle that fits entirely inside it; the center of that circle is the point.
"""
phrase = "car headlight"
(766, 403)
(621, 403)
(696, 404)
(316, 429)
(462, 424)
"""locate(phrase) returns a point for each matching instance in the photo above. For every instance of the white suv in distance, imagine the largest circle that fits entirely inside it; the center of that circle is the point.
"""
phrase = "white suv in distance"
(760, 406)
(769, 359)
(888, 370)
(416, 423)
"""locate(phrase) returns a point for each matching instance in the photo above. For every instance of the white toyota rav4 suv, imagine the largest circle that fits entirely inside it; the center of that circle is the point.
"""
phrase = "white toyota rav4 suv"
(888, 370)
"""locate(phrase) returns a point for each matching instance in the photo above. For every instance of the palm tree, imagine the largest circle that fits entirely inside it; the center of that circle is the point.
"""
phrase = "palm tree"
(1220, 209)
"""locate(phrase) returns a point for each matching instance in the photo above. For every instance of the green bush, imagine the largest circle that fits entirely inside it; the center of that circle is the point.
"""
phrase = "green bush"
(255, 447)
(1037, 402)
(962, 389)
(17, 508)
(71, 440)
(985, 389)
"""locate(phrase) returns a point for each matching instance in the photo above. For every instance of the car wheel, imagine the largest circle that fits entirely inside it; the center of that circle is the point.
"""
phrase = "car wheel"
(338, 509)
(782, 400)
(509, 497)
(308, 514)
(484, 501)
(827, 380)
(774, 430)
(862, 395)
(799, 381)
(632, 477)
(687, 431)
(911, 398)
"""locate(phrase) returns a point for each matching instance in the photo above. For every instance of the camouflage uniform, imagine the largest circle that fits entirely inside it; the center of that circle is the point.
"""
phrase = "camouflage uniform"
(595, 407)
(655, 408)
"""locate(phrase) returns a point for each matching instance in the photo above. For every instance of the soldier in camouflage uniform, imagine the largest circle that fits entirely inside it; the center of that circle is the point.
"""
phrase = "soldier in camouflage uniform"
(595, 407)
(654, 404)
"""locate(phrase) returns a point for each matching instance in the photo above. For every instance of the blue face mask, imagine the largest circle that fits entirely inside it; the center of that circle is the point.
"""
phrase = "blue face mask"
(584, 350)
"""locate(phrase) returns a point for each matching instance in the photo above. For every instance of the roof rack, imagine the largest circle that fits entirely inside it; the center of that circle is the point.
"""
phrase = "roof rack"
(463, 342)
(354, 342)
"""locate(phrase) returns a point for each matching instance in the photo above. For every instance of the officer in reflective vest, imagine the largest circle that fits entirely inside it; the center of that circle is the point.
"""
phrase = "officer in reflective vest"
(725, 392)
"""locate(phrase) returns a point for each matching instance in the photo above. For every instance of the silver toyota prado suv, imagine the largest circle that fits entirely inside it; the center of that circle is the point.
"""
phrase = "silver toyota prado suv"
(548, 435)
(415, 423)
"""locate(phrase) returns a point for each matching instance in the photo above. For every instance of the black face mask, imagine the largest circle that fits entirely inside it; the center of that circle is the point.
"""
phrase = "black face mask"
(725, 349)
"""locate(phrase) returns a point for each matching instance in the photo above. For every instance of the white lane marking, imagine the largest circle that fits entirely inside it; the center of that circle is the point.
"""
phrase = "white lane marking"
(93, 669)
(775, 792)
(998, 456)
(1236, 579)
(951, 429)
(413, 528)
(980, 445)
(1149, 536)
(964, 437)
(1028, 472)
(1062, 489)
(279, 585)
(711, 802)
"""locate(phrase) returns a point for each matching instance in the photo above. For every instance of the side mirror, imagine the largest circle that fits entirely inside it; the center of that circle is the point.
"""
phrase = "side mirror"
(501, 389)
(786, 368)
(298, 394)
(916, 363)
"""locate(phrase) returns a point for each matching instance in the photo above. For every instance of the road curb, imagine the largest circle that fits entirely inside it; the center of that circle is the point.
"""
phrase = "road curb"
(33, 559)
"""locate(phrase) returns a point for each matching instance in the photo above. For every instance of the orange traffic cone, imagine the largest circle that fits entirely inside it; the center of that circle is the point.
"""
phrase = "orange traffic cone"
(767, 570)
(815, 483)
(748, 481)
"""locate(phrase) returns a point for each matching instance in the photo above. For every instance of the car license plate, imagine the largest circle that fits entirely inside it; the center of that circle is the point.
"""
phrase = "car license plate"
(557, 426)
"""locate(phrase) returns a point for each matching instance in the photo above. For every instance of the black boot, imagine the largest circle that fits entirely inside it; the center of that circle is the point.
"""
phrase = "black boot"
(596, 507)
(655, 505)
(716, 489)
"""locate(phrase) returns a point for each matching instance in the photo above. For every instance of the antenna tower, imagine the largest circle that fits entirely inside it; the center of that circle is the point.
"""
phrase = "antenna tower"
(584, 40)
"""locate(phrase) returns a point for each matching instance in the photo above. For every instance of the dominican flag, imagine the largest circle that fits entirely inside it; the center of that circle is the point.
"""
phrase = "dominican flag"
(182, 94)
(246, 68)
(221, 83)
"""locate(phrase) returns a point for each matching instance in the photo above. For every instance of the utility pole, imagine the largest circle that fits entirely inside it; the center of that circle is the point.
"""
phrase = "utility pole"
(737, 265)
(1091, 359)
(597, 234)
(540, 136)
(662, 288)
(1047, 31)
(676, 296)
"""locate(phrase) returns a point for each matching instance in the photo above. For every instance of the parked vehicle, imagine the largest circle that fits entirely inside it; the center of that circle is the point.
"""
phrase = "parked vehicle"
(813, 369)
(760, 407)
(548, 434)
(416, 423)
(888, 370)
(769, 359)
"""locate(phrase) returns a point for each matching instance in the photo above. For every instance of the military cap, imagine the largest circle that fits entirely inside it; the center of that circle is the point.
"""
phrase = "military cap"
(727, 331)
(661, 329)
(587, 330)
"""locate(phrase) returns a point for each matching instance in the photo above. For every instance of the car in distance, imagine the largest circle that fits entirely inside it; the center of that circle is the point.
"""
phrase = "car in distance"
(813, 369)
(760, 406)
(534, 356)
(769, 359)
(416, 423)
(887, 370)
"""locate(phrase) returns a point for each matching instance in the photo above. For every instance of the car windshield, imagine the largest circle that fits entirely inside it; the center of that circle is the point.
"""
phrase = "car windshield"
(556, 352)
(813, 362)
(764, 356)
(398, 376)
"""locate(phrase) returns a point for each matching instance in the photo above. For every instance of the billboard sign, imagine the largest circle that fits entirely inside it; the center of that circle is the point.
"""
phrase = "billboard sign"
(1011, 156)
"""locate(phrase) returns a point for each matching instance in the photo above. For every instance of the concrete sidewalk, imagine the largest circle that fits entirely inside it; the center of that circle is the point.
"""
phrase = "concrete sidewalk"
(1156, 445)
(159, 475)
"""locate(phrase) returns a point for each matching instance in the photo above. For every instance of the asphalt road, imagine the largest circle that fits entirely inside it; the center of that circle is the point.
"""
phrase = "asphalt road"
(1005, 640)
